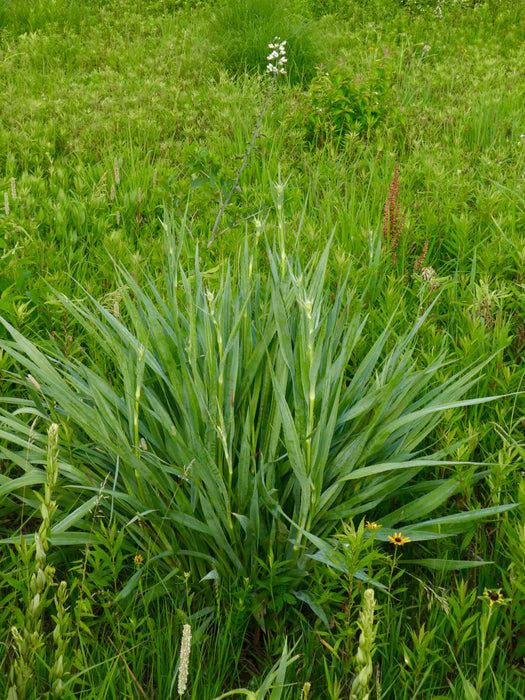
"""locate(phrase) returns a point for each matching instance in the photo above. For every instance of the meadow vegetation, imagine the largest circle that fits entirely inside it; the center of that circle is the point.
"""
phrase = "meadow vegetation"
(262, 438)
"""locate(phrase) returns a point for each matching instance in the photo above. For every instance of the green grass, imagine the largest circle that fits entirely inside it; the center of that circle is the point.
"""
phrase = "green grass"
(214, 423)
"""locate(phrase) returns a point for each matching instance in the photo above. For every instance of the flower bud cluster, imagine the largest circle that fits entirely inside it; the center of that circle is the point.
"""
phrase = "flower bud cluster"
(365, 651)
(277, 58)
(60, 638)
(29, 640)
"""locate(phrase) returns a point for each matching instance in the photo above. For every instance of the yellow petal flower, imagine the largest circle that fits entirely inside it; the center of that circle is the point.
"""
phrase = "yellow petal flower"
(372, 526)
(398, 538)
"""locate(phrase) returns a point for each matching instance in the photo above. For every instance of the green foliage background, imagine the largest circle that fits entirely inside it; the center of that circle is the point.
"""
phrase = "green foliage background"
(122, 127)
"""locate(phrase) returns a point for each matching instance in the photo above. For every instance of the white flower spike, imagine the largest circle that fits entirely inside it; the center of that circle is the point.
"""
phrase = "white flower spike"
(277, 57)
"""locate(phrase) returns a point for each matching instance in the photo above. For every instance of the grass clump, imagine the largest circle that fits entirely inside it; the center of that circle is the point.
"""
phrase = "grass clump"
(17, 16)
(243, 28)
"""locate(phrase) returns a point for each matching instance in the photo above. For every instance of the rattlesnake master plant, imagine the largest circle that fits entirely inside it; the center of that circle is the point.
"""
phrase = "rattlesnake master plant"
(234, 418)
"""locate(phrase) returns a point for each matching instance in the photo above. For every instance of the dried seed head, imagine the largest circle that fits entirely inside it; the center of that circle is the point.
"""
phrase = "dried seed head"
(420, 261)
(116, 172)
(428, 274)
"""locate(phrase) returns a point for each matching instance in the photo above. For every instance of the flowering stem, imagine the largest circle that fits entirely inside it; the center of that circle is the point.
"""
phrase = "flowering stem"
(243, 165)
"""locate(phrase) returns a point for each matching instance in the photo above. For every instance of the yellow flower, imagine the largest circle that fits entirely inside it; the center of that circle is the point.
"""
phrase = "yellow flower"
(495, 597)
(398, 538)
(138, 559)
(372, 526)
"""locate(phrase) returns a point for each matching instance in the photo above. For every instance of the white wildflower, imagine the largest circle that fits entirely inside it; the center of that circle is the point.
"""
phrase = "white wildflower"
(277, 58)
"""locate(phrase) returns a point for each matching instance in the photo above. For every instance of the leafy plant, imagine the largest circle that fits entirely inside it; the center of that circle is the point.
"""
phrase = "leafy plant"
(340, 102)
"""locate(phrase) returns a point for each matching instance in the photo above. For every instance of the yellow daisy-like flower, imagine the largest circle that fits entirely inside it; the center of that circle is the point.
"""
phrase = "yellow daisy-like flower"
(372, 526)
(495, 597)
(138, 559)
(398, 538)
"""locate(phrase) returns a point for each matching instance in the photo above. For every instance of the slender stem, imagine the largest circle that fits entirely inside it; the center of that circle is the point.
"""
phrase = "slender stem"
(241, 169)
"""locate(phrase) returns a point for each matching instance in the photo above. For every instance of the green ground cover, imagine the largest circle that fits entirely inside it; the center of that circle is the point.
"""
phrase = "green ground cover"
(204, 428)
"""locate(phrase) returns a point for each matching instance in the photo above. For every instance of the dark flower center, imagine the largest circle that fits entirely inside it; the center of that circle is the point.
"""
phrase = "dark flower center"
(494, 596)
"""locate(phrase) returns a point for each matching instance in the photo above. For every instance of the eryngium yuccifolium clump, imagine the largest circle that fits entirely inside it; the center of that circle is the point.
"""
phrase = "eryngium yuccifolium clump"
(365, 652)
(184, 659)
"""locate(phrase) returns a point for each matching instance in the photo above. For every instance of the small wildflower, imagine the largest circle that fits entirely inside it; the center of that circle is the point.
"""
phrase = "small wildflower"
(138, 559)
(495, 596)
(398, 539)
(372, 526)
(6, 203)
(13, 188)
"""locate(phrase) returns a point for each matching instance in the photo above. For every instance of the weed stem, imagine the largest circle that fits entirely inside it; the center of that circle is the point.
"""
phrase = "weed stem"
(244, 162)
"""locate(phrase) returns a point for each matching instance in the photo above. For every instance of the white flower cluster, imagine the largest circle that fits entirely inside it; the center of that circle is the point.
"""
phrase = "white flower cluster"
(277, 57)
